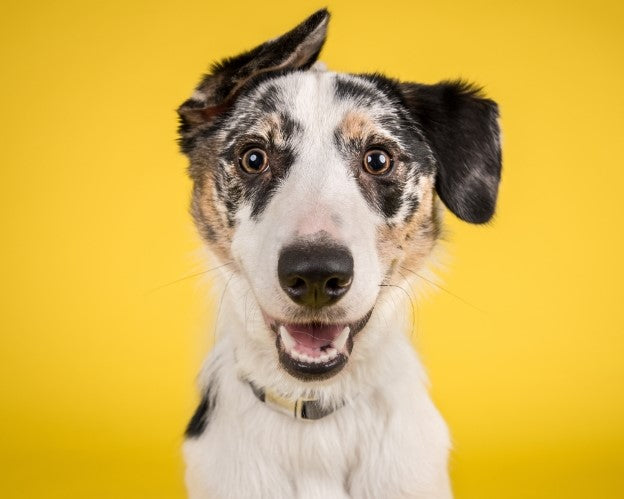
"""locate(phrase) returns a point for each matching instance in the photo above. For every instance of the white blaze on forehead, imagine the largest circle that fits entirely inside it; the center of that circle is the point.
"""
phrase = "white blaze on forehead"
(320, 186)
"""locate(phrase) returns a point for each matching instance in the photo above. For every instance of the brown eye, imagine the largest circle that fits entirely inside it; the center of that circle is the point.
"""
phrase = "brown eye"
(377, 161)
(255, 160)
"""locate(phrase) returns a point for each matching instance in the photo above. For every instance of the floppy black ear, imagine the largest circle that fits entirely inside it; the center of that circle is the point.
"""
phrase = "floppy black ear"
(297, 49)
(462, 129)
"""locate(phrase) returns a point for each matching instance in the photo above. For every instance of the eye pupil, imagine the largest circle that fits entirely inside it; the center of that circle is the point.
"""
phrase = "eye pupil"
(377, 162)
(254, 161)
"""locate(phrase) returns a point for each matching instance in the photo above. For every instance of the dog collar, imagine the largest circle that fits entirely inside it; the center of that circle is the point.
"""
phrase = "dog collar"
(299, 408)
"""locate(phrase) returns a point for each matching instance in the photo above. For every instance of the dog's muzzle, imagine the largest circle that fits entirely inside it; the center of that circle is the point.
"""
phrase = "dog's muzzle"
(315, 274)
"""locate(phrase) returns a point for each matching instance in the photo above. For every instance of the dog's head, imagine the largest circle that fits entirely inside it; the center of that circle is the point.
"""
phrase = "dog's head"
(318, 186)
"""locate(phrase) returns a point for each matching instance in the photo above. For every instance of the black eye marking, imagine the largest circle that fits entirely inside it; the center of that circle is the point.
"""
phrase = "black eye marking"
(377, 161)
(254, 160)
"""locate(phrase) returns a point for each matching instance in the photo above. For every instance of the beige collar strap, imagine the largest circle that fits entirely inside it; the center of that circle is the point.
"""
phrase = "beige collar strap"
(299, 408)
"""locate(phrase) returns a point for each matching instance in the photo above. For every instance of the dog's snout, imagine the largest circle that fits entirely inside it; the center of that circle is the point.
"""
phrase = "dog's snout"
(315, 275)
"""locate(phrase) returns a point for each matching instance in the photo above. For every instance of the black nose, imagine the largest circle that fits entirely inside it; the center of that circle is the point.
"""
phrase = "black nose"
(315, 275)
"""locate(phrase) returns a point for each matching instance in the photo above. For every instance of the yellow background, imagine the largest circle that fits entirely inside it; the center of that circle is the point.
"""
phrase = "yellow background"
(98, 362)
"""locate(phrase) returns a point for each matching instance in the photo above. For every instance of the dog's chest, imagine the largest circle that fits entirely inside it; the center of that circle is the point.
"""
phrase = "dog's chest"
(361, 450)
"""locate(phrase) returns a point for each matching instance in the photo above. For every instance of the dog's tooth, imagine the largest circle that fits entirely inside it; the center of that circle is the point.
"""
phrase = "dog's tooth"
(331, 352)
(323, 358)
(287, 340)
(340, 342)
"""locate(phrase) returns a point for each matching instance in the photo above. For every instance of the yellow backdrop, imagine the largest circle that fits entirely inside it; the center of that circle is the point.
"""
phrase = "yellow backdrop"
(98, 358)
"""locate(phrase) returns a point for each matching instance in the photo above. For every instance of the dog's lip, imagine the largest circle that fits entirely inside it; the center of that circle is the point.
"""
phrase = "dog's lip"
(356, 326)
(314, 350)
(309, 337)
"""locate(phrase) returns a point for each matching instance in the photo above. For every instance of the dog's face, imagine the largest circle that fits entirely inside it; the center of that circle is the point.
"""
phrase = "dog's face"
(320, 186)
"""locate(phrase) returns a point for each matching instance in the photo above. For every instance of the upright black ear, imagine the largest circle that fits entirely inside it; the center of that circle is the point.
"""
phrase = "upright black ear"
(462, 129)
(297, 49)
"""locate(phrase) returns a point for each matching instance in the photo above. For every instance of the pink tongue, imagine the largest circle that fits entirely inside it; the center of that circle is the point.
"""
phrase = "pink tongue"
(311, 337)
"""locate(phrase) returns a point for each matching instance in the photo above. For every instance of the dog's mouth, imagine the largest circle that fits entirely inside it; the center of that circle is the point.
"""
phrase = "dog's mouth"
(314, 350)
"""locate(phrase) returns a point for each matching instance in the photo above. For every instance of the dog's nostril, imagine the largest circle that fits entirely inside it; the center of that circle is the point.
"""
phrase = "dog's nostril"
(296, 282)
(337, 284)
(333, 283)
(315, 275)
(297, 286)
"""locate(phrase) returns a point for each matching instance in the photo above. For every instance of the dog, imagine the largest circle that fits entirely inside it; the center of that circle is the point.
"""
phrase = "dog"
(321, 196)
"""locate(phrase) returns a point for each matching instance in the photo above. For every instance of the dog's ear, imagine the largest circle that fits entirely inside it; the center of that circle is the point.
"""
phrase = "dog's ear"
(462, 129)
(296, 49)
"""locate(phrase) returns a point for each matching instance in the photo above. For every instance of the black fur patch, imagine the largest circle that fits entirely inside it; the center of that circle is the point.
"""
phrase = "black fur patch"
(200, 419)
(350, 89)
(462, 129)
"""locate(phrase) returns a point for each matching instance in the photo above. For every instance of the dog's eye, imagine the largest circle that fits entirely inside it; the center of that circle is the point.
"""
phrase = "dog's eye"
(377, 161)
(254, 160)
